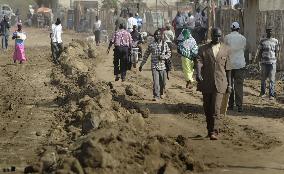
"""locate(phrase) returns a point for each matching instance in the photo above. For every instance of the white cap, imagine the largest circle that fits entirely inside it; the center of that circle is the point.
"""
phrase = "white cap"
(235, 25)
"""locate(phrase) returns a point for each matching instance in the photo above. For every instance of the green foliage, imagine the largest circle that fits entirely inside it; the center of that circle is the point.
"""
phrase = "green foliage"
(110, 3)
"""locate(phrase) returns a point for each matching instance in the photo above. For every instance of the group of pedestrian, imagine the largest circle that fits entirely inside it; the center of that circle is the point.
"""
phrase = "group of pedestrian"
(219, 65)
(129, 21)
(196, 23)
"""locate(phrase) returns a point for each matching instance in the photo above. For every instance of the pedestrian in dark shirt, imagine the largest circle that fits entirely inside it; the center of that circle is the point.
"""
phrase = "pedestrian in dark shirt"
(5, 31)
(137, 39)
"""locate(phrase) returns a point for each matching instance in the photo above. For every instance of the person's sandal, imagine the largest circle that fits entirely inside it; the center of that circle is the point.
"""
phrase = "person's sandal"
(213, 137)
(189, 85)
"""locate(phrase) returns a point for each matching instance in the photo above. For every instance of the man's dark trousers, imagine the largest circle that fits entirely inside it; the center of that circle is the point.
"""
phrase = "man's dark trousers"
(120, 61)
(212, 104)
(236, 96)
(56, 49)
(5, 39)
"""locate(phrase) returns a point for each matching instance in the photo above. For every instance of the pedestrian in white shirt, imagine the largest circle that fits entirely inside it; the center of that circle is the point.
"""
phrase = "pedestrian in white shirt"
(237, 44)
(131, 22)
(97, 30)
(191, 21)
(56, 40)
(169, 36)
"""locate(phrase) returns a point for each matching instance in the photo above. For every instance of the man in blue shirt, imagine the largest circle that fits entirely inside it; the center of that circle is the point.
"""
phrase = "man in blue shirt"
(139, 22)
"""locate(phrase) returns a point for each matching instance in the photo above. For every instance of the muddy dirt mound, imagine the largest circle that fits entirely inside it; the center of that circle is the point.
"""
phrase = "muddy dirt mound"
(72, 59)
(101, 131)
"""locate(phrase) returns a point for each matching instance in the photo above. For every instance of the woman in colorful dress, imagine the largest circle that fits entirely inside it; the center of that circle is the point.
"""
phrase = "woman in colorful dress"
(19, 36)
(188, 49)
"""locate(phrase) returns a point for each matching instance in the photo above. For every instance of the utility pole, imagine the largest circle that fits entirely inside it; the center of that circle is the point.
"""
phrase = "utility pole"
(157, 13)
(163, 13)
(209, 13)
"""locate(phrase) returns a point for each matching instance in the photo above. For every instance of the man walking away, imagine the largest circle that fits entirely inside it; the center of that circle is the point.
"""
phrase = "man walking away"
(5, 31)
(131, 22)
(214, 79)
(136, 40)
(237, 45)
(191, 21)
(160, 54)
(198, 17)
(268, 51)
(97, 30)
(139, 22)
(120, 20)
(204, 27)
(56, 40)
(179, 22)
(122, 42)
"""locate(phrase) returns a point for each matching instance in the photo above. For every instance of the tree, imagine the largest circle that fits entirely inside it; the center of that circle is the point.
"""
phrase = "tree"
(110, 3)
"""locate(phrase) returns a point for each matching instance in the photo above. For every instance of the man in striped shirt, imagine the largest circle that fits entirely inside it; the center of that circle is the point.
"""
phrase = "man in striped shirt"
(160, 52)
(268, 53)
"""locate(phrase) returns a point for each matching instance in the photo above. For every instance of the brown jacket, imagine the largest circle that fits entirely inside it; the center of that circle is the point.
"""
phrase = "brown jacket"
(213, 69)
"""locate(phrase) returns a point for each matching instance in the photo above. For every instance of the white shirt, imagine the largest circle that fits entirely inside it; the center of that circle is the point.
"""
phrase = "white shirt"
(56, 33)
(130, 22)
(237, 45)
(169, 36)
(97, 25)
(191, 22)
(216, 49)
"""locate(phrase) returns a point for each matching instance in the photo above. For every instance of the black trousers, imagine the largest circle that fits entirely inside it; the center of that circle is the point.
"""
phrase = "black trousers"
(56, 50)
(98, 36)
(121, 61)
(236, 96)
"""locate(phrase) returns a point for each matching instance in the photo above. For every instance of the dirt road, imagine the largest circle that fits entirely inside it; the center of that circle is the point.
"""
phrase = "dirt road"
(43, 107)
(252, 141)
(27, 101)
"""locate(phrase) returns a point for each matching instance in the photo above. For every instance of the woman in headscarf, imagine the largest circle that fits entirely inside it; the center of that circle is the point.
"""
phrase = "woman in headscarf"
(19, 36)
(188, 48)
